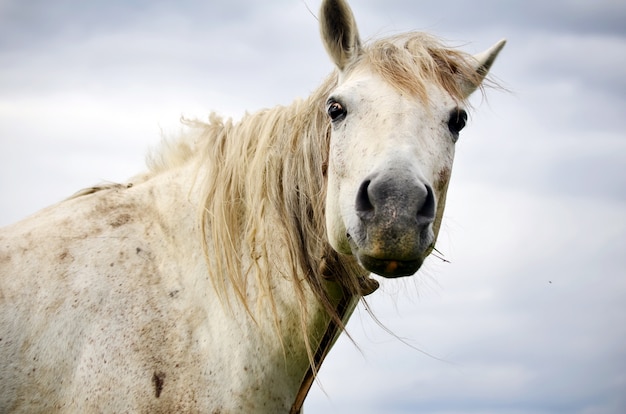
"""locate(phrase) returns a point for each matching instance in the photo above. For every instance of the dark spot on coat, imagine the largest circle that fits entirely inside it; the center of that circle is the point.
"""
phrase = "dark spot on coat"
(5, 258)
(65, 255)
(158, 380)
(120, 220)
(442, 180)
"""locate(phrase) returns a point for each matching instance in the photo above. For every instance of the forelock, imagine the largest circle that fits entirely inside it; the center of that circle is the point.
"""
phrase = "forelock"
(411, 62)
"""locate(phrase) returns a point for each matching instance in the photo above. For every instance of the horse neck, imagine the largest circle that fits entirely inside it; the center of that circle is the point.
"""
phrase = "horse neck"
(273, 279)
(252, 360)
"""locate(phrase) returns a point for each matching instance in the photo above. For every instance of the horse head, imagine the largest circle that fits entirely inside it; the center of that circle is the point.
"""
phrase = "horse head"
(396, 114)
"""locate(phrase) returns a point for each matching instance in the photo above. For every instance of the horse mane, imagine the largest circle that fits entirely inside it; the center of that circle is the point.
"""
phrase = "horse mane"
(413, 60)
(270, 169)
(267, 169)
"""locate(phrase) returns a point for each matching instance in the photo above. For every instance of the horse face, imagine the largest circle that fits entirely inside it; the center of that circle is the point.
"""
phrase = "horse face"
(389, 164)
(390, 154)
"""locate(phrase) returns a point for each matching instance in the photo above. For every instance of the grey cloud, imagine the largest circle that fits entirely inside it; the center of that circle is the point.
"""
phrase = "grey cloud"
(38, 21)
(160, 43)
(593, 62)
(550, 16)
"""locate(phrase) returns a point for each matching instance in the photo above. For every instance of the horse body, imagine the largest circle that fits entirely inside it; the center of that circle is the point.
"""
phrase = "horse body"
(123, 317)
(218, 281)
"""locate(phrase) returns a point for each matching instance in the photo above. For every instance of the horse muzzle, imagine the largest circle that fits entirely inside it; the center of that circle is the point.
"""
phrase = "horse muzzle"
(394, 233)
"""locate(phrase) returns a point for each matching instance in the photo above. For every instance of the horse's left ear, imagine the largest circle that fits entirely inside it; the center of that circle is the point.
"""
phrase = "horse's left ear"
(483, 62)
(339, 32)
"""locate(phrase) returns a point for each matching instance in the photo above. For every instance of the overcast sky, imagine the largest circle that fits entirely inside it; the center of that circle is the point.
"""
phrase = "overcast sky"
(529, 316)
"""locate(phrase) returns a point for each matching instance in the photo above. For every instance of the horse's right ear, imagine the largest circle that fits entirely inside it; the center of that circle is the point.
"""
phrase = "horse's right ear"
(339, 32)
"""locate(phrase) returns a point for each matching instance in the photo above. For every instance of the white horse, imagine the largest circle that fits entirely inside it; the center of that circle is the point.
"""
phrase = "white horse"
(218, 280)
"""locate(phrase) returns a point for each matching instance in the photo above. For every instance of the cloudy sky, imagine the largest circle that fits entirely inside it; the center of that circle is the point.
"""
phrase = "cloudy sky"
(529, 315)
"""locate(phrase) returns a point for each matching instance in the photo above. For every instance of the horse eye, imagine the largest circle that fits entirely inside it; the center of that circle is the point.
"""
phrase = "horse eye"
(336, 111)
(457, 121)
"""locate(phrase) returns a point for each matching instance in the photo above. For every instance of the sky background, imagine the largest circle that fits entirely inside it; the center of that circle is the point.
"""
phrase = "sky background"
(529, 316)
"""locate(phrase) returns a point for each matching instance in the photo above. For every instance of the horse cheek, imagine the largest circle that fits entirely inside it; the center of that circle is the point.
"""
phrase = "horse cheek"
(335, 226)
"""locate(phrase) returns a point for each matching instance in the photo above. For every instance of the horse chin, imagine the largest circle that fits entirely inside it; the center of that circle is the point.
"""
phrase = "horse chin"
(389, 268)
(386, 266)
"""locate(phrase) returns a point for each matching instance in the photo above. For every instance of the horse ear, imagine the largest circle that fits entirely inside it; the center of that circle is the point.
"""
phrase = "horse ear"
(483, 62)
(339, 32)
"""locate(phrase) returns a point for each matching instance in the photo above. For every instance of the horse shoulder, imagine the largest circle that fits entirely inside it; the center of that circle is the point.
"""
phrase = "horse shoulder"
(95, 291)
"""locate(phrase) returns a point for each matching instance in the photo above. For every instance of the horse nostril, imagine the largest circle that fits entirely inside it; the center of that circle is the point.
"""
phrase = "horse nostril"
(426, 213)
(363, 203)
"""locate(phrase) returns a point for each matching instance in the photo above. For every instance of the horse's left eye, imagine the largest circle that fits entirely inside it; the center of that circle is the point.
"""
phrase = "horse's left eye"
(458, 118)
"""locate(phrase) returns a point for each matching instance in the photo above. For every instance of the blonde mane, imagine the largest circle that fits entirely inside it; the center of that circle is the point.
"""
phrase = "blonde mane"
(271, 165)
(270, 168)
(412, 61)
